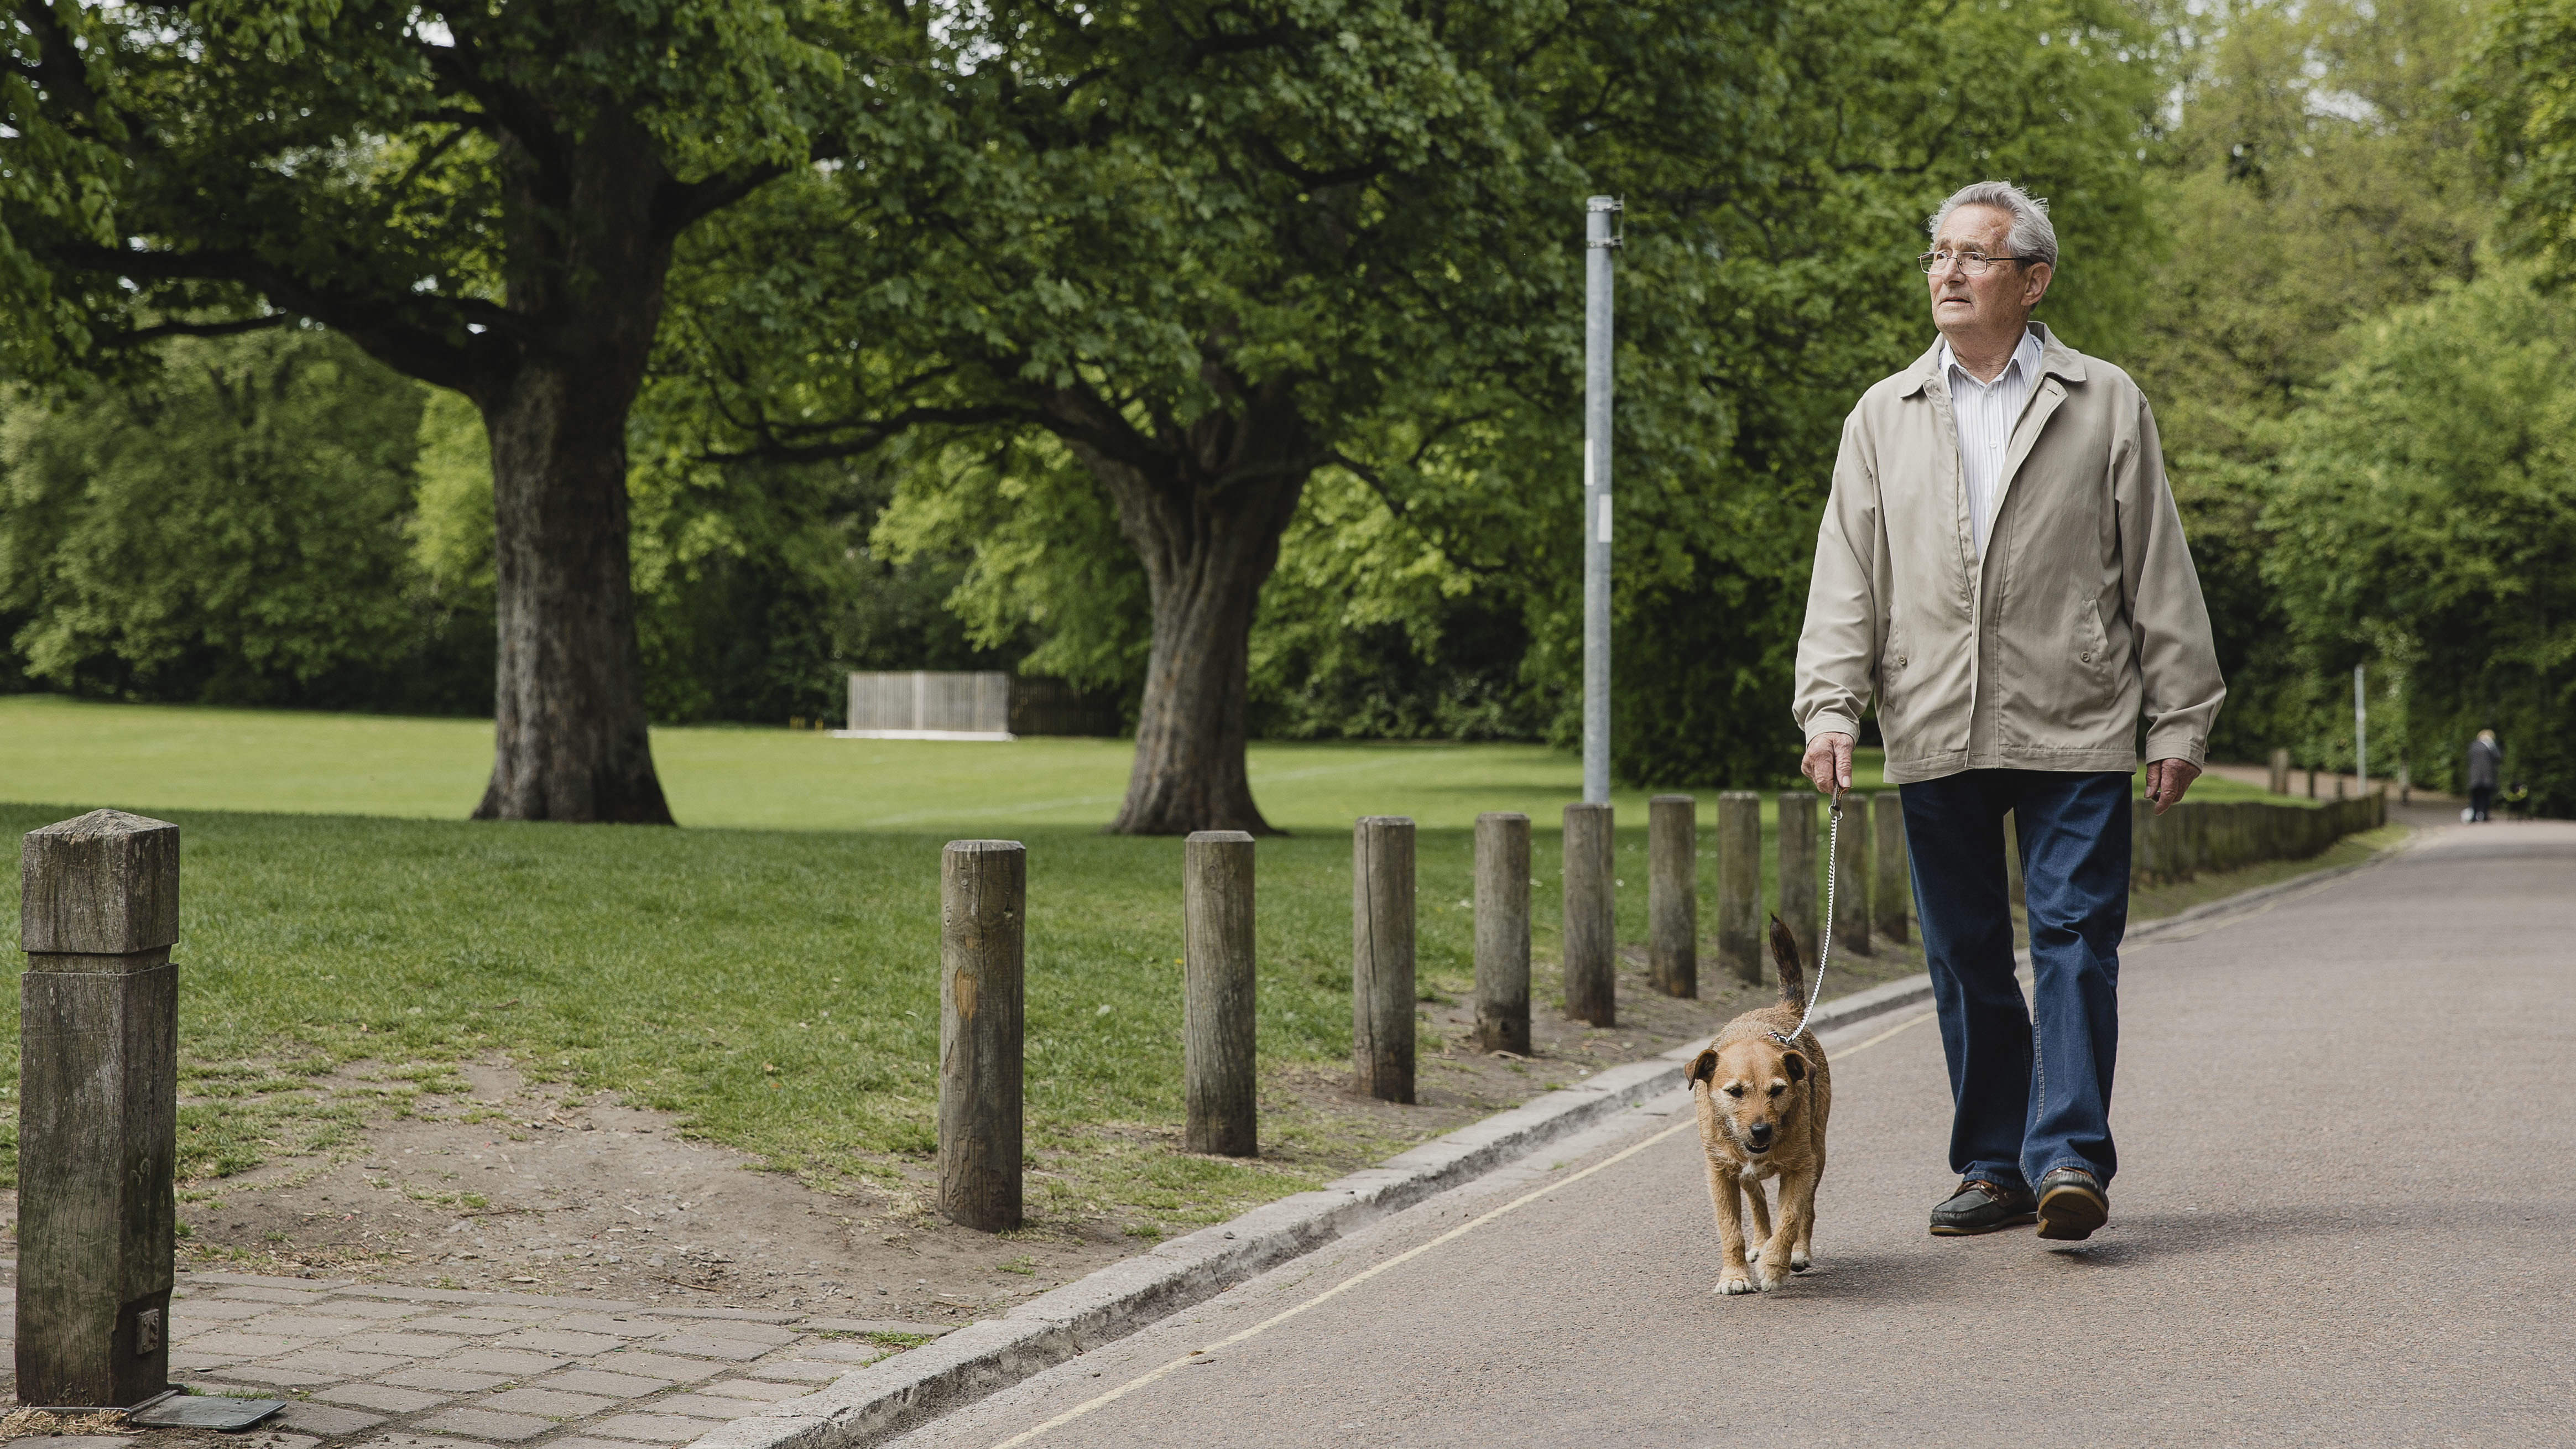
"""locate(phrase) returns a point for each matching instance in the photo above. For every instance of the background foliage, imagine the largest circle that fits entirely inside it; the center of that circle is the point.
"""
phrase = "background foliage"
(2327, 237)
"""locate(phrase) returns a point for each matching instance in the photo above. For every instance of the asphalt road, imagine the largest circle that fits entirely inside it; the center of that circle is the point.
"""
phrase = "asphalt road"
(2346, 1215)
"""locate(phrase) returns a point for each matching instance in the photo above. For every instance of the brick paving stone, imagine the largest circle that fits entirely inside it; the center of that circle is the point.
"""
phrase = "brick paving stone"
(706, 1346)
(324, 1419)
(484, 1424)
(340, 1362)
(368, 1308)
(265, 1294)
(211, 1310)
(239, 1345)
(412, 1345)
(87, 1441)
(612, 1325)
(313, 1284)
(271, 1439)
(284, 1378)
(552, 1403)
(549, 1341)
(419, 1441)
(500, 1361)
(184, 1360)
(741, 1315)
(459, 1323)
(831, 1351)
(800, 1372)
(879, 1325)
(381, 1396)
(766, 1393)
(658, 1365)
(650, 1428)
(575, 1442)
(708, 1406)
(299, 1324)
(508, 1312)
(454, 1381)
(592, 1381)
(746, 1332)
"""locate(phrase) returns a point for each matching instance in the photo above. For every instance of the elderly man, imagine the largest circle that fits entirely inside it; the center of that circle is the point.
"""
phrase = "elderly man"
(2002, 570)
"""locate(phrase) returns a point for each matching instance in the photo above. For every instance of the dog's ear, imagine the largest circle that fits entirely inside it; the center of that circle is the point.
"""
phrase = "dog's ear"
(1704, 1067)
(1796, 1065)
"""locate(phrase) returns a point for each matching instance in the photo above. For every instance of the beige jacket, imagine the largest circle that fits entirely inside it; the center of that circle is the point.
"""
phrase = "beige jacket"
(2084, 613)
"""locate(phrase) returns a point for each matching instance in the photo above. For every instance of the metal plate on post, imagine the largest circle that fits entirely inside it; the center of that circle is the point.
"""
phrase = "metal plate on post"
(202, 1411)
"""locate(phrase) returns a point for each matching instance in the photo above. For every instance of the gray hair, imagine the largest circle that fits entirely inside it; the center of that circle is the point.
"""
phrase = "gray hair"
(2031, 234)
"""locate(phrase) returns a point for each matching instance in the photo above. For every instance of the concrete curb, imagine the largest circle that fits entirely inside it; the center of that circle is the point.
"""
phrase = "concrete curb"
(901, 1393)
(911, 1388)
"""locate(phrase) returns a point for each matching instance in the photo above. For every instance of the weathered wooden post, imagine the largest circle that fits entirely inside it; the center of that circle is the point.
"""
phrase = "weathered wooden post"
(983, 913)
(1382, 957)
(1503, 931)
(2279, 782)
(1798, 869)
(1739, 885)
(1217, 1062)
(1591, 925)
(98, 1109)
(1851, 878)
(1894, 892)
(1672, 895)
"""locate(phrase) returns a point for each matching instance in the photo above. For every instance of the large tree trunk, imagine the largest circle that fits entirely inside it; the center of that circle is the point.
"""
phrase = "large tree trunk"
(1206, 520)
(588, 259)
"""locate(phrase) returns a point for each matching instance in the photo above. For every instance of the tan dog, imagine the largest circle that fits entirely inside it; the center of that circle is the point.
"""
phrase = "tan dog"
(1762, 1110)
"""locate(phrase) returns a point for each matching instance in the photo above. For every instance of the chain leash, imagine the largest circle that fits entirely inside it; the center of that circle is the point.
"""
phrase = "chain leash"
(1825, 949)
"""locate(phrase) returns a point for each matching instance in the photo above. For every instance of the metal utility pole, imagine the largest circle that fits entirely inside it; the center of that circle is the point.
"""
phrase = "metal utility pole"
(2360, 735)
(1599, 240)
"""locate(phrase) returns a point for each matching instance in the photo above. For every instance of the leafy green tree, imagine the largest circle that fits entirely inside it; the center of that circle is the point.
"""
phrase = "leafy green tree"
(2320, 174)
(485, 197)
(2516, 85)
(230, 527)
(1214, 253)
(2423, 514)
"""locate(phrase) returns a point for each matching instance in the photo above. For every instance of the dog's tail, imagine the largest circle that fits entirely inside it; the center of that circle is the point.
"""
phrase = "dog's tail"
(1793, 977)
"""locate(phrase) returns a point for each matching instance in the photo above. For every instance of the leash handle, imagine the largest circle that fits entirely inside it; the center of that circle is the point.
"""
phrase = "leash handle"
(1825, 947)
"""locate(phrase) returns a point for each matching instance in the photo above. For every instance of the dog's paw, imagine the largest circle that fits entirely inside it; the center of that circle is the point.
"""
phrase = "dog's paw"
(1798, 1261)
(1732, 1284)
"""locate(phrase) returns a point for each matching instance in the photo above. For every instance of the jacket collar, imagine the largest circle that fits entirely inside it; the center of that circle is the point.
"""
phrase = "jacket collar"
(2056, 359)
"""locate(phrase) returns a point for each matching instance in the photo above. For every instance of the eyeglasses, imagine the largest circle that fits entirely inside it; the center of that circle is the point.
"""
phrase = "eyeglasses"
(1975, 264)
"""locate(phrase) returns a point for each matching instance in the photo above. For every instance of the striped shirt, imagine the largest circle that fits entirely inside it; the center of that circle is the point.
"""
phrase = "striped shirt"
(1986, 413)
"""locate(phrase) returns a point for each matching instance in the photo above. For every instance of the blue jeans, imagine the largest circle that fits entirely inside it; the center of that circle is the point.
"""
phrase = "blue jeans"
(2031, 1085)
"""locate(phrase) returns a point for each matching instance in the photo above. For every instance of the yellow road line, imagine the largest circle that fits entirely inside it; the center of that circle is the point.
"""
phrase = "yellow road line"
(1356, 1279)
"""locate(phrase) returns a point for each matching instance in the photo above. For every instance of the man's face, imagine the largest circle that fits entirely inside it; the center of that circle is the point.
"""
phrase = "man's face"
(1996, 304)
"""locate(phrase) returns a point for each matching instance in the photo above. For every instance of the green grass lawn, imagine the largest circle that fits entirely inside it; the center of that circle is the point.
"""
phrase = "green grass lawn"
(771, 974)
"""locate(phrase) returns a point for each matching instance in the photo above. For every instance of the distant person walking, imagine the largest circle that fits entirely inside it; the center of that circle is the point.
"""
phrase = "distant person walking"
(2002, 570)
(2486, 761)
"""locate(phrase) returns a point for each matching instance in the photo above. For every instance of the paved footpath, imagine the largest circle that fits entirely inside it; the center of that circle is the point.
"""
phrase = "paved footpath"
(428, 1368)
(2346, 1215)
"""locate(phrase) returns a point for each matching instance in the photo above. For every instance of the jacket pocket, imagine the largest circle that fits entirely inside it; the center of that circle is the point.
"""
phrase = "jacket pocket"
(2093, 648)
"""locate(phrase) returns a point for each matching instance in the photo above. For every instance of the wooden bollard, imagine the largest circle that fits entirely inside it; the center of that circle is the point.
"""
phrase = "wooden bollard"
(1798, 869)
(1382, 957)
(2280, 774)
(983, 899)
(98, 1109)
(1892, 894)
(1851, 878)
(1503, 932)
(1591, 925)
(1739, 885)
(1217, 1062)
(1672, 895)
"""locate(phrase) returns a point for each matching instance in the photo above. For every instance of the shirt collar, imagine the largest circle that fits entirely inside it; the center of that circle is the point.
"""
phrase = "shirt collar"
(2026, 357)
